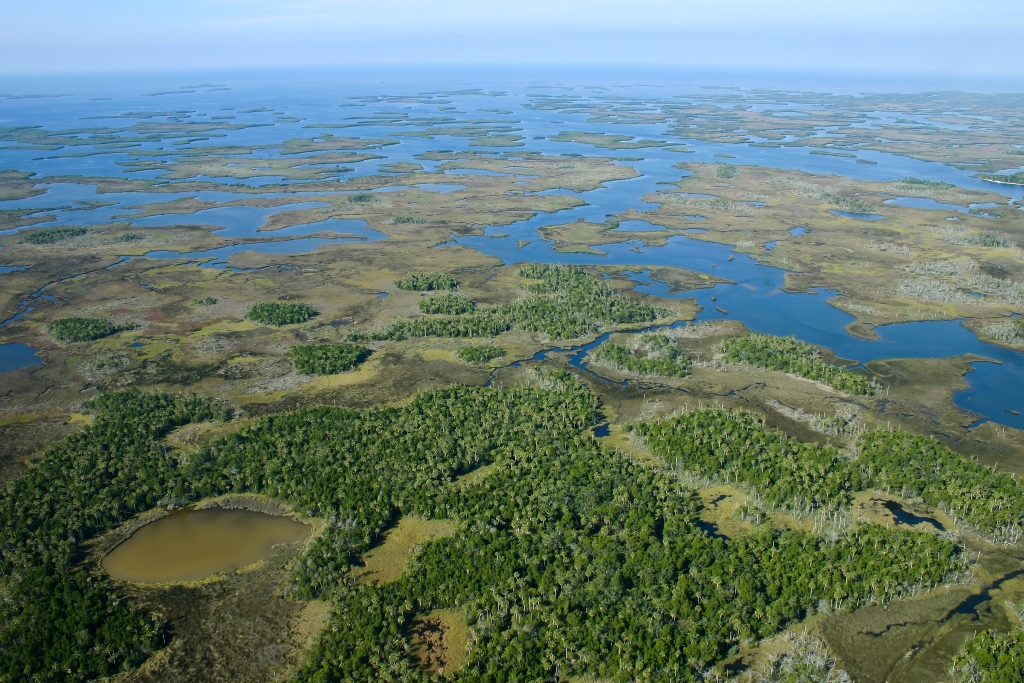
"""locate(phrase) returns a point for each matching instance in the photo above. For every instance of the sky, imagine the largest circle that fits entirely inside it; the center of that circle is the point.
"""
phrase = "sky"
(961, 37)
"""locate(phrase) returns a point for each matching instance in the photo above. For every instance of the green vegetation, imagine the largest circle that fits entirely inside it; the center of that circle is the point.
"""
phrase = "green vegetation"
(565, 304)
(276, 313)
(401, 220)
(648, 354)
(51, 235)
(918, 466)
(725, 171)
(569, 558)
(327, 359)
(479, 354)
(448, 304)
(991, 657)
(427, 282)
(735, 446)
(57, 622)
(130, 237)
(1011, 179)
(361, 198)
(918, 183)
(986, 240)
(206, 301)
(84, 329)
(787, 354)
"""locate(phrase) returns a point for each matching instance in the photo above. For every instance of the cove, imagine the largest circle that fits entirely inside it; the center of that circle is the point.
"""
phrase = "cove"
(192, 544)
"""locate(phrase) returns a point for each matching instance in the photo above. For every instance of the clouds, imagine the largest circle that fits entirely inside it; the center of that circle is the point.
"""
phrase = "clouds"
(936, 35)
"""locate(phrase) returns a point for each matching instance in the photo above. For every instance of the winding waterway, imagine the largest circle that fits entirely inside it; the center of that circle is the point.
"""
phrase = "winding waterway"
(756, 297)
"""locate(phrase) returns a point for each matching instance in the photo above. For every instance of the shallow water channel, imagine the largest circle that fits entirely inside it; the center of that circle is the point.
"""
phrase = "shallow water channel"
(192, 544)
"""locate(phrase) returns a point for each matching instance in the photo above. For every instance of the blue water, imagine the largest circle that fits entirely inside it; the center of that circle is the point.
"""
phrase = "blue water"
(756, 297)
(17, 356)
(758, 300)
(12, 269)
(218, 258)
(638, 226)
(924, 203)
(443, 188)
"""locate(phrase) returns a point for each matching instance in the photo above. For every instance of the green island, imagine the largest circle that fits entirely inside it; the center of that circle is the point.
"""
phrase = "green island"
(52, 235)
(84, 329)
(792, 355)
(479, 353)
(564, 303)
(327, 359)
(275, 313)
(649, 354)
(426, 282)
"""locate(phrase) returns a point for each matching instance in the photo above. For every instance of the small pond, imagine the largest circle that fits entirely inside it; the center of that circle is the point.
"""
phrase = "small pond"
(192, 544)
(17, 356)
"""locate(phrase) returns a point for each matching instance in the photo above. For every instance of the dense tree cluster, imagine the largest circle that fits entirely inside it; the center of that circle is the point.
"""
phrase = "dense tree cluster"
(57, 622)
(426, 282)
(650, 354)
(735, 446)
(52, 235)
(919, 466)
(564, 304)
(447, 304)
(991, 657)
(480, 353)
(787, 354)
(327, 359)
(570, 560)
(84, 329)
(205, 301)
(1009, 178)
(277, 313)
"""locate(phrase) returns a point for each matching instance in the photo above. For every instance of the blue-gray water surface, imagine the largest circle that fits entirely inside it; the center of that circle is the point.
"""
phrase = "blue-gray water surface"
(756, 298)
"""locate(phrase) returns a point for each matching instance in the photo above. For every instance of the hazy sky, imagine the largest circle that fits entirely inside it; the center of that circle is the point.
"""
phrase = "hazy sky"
(984, 37)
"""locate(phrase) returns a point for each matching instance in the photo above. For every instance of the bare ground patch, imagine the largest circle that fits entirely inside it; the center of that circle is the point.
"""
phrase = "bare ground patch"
(438, 641)
(387, 562)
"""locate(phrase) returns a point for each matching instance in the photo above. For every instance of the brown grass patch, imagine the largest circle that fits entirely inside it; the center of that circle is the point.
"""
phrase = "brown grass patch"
(720, 504)
(438, 641)
(387, 562)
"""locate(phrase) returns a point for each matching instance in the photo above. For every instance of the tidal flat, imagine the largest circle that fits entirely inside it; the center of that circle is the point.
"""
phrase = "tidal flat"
(168, 224)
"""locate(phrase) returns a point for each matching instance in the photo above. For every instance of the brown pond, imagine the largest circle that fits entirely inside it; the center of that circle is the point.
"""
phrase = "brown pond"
(192, 544)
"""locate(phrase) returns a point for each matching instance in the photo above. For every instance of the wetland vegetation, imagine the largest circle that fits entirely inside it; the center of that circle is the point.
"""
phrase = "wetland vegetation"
(279, 314)
(479, 353)
(792, 355)
(327, 359)
(563, 303)
(482, 503)
(646, 354)
(426, 282)
(84, 329)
